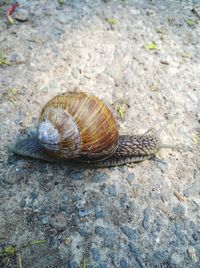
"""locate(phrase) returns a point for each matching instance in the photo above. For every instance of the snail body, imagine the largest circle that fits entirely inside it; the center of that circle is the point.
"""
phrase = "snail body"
(80, 127)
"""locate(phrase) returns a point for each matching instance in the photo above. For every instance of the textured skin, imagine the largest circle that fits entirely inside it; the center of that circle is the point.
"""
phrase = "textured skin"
(131, 149)
(95, 122)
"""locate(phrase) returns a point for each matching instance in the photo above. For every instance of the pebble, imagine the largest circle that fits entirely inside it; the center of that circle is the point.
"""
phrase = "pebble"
(83, 81)
(159, 255)
(122, 245)
(110, 237)
(146, 243)
(123, 263)
(101, 214)
(162, 165)
(130, 177)
(30, 218)
(192, 253)
(82, 213)
(70, 209)
(22, 203)
(112, 190)
(129, 232)
(99, 230)
(43, 210)
(44, 219)
(3, 226)
(176, 258)
(180, 238)
(179, 210)
(145, 221)
(53, 242)
(59, 222)
(102, 265)
(136, 254)
(76, 73)
(33, 196)
(75, 198)
(100, 177)
(21, 15)
(83, 231)
(154, 195)
(196, 236)
(76, 175)
(95, 254)
(115, 72)
(122, 169)
(65, 197)
(73, 264)
(123, 200)
(192, 189)
(164, 61)
(63, 19)
(18, 58)
(112, 255)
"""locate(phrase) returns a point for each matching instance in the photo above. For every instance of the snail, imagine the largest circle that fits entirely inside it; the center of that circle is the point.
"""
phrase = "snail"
(80, 127)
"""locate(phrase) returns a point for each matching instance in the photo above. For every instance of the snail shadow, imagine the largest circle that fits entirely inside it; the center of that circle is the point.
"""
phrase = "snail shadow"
(75, 171)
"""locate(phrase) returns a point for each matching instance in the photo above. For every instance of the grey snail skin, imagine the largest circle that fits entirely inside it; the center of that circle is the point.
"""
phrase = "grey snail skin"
(79, 127)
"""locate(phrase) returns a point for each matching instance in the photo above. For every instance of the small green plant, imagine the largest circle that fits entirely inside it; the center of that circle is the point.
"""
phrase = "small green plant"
(170, 20)
(61, 2)
(10, 95)
(111, 21)
(153, 87)
(84, 263)
(3, 59)
(121, 106)
(121, 111)
(191, 22)
(9, 252)
(151, 46)
(6, 254)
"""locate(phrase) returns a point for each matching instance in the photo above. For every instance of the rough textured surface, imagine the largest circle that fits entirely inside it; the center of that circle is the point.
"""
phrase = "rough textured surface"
(145, 216)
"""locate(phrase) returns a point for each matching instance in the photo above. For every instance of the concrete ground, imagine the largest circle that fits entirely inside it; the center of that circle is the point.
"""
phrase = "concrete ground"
(145, 52)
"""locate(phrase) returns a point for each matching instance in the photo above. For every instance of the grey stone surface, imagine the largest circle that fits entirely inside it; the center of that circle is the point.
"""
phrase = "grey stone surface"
(113, 217)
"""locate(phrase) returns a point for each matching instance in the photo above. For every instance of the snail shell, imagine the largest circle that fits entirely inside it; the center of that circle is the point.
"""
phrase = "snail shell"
(77, 124)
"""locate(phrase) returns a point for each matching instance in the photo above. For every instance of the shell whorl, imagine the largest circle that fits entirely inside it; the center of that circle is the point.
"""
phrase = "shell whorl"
(79, 125)
(58, 134)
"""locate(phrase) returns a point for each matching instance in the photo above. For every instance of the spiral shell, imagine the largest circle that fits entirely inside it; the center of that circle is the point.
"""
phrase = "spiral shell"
(77, 124)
